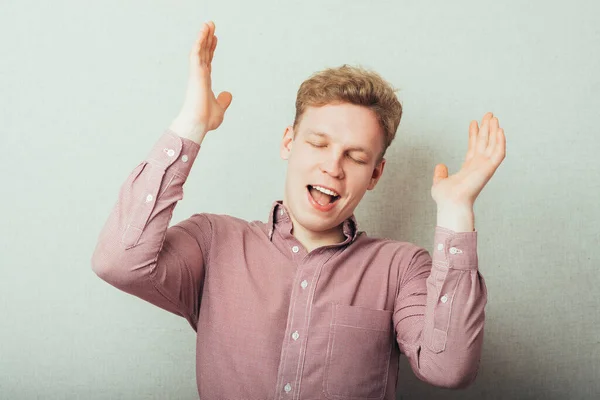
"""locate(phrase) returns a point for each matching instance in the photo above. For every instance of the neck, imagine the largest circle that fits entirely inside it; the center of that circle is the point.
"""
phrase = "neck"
(312, 240)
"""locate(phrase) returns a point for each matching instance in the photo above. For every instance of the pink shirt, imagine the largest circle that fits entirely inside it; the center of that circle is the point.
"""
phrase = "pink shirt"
(276, 322)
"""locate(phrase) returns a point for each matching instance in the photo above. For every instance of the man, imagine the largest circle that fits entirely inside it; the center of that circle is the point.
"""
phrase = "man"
(306, 306)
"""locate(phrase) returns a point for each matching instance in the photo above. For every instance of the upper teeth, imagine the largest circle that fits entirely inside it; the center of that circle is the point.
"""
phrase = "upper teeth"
(326, 191)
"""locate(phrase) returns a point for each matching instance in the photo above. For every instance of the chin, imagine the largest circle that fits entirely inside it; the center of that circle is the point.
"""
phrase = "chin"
(317, 226)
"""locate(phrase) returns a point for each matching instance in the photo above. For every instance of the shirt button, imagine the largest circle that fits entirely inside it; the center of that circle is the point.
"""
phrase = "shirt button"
(295, 335)
(281, 212)
(170, 152)
(440, 246)
(295, 249)
(184, 158)
(444, 298)
(149, 198)
(304, 284)
(287, 388)
(454, 250)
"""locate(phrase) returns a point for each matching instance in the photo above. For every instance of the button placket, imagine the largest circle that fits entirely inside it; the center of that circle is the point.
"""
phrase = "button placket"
(297, 331)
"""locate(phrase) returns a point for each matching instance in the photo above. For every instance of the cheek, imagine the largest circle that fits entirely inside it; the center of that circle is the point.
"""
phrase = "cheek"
(296, 171)
(362, 177)
(301, 161)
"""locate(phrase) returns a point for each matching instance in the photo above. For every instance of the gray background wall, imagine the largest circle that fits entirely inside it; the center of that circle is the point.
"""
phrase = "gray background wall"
(86, 88)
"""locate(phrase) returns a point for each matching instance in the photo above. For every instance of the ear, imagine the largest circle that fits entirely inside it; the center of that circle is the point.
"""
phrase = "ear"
(377, 172)
(286, 143)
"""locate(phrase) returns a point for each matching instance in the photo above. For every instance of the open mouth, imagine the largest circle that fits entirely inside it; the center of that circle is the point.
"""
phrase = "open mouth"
(321, 198)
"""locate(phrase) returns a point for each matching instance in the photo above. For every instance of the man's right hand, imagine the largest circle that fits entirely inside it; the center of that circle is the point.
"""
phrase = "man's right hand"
(201, 111)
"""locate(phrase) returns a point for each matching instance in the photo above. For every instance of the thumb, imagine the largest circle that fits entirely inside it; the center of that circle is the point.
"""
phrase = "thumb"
(224, 99)
(440, 173)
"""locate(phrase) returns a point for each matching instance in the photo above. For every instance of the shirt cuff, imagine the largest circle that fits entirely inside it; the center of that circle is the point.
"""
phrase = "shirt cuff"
(176, 151)
(455, 250)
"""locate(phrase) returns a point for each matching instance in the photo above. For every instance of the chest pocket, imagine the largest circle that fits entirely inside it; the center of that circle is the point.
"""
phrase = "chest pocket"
(358, 353)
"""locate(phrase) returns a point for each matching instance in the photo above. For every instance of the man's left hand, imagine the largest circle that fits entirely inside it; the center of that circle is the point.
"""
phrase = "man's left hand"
(487, 149)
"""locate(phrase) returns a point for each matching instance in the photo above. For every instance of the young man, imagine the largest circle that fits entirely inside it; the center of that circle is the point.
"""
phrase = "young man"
(306, 306)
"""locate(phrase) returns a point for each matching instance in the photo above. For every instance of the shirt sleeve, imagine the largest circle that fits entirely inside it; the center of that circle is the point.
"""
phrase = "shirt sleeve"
(439, 310)
(137, 252)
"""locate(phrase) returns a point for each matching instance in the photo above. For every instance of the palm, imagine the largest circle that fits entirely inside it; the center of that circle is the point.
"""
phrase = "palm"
(487, 149)
(200, 105)
(201, 100)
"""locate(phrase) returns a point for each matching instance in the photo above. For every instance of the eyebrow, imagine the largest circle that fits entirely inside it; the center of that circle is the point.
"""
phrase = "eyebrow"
(354, 148)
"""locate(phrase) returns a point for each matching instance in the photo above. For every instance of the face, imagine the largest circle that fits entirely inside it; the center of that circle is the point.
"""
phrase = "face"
(336, 147)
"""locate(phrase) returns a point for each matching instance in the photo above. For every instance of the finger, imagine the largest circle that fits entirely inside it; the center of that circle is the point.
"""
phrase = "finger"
(195, 54)
(209, 42)
(440, 172)
(202, 50)
(473, 129)
(500, 149)
(488, 115)
(212, 50)
(206, 43)
(224, 99)
(483, 136)
(494, 126)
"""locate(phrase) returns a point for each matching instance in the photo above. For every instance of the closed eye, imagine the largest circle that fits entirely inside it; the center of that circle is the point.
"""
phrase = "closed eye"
(349, 156)
(357, 161)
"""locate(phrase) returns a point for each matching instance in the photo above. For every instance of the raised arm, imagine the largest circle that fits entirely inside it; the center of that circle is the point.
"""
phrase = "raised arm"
(136, 250)
(439, 312)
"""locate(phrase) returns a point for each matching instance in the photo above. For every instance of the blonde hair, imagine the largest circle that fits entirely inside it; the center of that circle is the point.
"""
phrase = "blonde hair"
(354, 85)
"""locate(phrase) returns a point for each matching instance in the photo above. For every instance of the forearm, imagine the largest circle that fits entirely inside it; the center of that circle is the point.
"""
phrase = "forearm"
(453, 329)
(458, 218)
(135, 228)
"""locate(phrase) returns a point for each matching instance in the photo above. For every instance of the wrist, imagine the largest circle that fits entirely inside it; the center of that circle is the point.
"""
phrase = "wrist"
(456, 218)
(188, 129)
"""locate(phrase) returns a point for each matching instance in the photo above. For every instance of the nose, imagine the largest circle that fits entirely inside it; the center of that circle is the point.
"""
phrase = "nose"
(333, 167)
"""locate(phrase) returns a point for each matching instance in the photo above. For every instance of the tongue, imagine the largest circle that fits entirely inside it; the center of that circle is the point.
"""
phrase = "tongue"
(321, 198)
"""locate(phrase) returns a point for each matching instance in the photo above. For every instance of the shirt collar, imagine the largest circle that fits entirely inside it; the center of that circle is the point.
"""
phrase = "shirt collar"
(280, 214)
